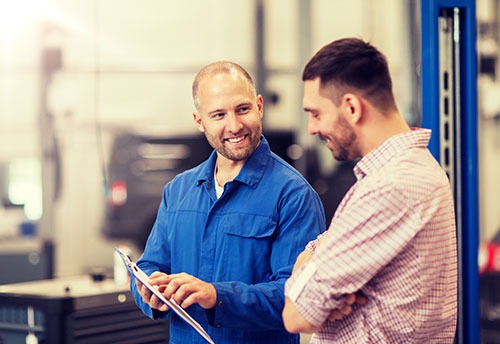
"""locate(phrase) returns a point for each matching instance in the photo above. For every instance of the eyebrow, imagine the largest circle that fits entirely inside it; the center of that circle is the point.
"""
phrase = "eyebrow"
(244, 104)
(237, 106)
(215, 111)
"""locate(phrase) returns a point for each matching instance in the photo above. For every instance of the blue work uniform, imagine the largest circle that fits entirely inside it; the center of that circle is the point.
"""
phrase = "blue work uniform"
(245, 243)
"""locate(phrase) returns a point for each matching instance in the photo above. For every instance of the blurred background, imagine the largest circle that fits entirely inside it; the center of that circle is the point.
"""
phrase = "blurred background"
(96, 112)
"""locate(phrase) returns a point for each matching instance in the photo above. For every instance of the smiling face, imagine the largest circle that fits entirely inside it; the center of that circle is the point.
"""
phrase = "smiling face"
(329, 121)
(230, 114)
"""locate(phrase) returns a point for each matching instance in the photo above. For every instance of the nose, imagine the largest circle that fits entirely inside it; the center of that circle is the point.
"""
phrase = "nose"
(312, 127)
(234, 123)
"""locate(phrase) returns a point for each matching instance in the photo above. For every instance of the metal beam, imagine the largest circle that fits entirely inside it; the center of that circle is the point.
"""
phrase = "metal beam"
(449, 108)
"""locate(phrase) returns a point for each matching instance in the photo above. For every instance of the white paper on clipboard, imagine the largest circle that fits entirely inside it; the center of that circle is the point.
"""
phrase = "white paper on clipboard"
(143, 278)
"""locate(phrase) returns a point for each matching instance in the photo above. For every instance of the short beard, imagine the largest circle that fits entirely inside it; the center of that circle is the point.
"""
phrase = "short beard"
(346, 138)
(238, 155)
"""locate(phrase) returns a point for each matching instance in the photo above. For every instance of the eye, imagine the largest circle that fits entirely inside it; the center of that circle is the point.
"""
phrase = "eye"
(217, 115)
(243, 109)
(314, 114)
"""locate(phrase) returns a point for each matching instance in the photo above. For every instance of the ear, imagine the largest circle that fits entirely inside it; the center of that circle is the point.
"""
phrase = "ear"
(353, 106)
(197, 120)
(260, 105)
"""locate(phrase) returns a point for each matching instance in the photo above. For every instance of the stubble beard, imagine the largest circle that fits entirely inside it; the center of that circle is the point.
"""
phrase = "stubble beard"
(236, 154)
(342, 145)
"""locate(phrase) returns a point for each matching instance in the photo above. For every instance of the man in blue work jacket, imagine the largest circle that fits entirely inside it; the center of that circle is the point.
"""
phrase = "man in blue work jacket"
(228, 231)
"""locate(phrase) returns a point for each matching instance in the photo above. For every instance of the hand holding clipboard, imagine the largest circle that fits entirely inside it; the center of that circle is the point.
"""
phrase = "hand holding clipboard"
(143, 278)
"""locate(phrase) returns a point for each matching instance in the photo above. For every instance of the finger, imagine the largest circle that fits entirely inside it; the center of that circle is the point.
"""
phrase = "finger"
(350, 299)
(335, 315)
(159, 304)
(142, 289)
(191, 299)
(203, 294)
(346, 310)
(158, 278)
(146, 295)
(361, 300)
(156, 274)
(181, 275)
(171, 288)
(182, 293)
(155, 302)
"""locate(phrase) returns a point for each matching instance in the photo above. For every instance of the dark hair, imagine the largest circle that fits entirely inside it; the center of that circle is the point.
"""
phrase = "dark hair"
(353, 65)
(216, 68)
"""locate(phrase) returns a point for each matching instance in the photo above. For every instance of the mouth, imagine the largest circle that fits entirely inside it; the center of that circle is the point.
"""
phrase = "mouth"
(236, 139)
(328, 142)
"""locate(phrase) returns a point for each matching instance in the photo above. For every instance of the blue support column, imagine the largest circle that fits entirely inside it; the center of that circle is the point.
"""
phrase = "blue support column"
(466, 184)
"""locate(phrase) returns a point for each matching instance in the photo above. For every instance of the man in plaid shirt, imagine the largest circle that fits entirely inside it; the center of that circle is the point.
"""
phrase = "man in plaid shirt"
(393, 237)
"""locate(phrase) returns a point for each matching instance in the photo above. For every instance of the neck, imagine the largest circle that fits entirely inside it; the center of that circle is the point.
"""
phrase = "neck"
(226, 170)
(382, 128)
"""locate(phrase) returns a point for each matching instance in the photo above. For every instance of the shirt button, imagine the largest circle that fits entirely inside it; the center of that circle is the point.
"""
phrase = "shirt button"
(218, 325)
(220, 303)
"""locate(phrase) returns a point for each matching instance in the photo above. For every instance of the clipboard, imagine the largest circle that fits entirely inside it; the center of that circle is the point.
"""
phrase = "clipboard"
(143, 278)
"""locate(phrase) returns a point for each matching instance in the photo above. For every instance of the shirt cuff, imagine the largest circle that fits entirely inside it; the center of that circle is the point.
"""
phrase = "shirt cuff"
(294, 288)
(309, 298)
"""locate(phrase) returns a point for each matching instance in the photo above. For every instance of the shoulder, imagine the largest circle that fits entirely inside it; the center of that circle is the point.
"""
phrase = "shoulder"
(282, 170)
(288, 184)
(416, 175)
(189, 177)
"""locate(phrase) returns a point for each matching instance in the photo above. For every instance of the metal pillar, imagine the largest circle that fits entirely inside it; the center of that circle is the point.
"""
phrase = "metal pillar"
(449, 108)
(50, 63)
(260, 63)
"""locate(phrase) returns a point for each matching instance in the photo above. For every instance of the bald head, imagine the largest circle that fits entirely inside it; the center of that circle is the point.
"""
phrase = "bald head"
(220, 67)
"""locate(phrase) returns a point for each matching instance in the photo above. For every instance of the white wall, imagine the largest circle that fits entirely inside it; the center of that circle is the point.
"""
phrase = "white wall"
(129, 66)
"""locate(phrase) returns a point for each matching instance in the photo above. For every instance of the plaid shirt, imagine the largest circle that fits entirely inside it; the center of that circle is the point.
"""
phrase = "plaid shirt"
(393, 237)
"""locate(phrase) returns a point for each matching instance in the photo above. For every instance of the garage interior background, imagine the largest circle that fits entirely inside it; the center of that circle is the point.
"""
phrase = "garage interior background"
(74, 73)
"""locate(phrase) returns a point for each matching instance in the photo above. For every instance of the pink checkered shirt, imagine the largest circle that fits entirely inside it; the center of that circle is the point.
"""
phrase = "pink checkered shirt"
(393, 237)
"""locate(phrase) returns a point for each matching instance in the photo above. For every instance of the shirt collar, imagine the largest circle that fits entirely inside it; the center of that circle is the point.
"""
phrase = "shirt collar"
(376, 159)
(252, 171)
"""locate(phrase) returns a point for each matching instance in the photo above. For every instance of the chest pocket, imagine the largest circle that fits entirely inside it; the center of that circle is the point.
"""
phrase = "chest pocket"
(248, 226)
(247, 243)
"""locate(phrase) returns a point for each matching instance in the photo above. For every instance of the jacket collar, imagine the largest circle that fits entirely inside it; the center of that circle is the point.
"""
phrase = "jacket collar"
(251, 173)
